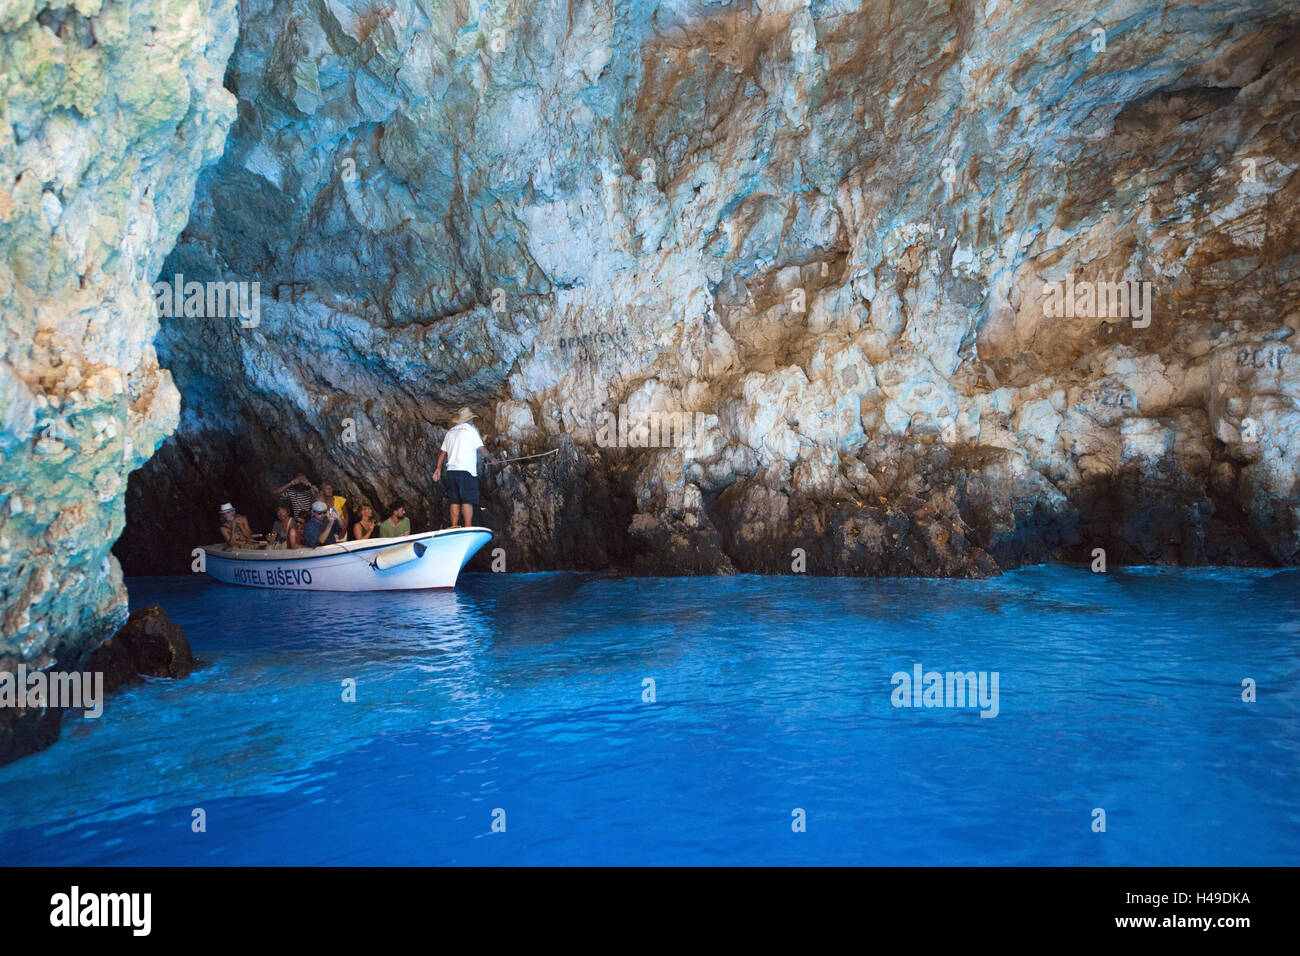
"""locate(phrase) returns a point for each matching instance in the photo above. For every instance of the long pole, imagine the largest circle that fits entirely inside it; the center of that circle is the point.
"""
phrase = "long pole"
(505, 461)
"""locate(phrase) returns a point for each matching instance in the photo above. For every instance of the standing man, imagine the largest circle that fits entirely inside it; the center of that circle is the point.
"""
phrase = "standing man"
(460, 450)
(297, 494)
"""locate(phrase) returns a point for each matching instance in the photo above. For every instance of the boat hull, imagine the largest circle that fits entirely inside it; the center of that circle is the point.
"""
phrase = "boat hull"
(414, 562)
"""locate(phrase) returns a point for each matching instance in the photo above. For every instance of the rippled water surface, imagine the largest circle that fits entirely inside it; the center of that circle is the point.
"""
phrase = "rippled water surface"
(522, 697)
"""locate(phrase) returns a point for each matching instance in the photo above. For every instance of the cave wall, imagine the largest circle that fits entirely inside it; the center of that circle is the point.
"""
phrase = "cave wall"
(108, 111)
(831, 229)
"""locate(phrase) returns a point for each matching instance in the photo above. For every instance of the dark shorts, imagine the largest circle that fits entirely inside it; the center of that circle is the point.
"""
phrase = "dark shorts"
(462, 487)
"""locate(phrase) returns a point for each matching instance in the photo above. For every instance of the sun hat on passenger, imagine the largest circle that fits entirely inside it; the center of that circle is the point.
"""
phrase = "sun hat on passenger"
(318, 506)
(463, 416)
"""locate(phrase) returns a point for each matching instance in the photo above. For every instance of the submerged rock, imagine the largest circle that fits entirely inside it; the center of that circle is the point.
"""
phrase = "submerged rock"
(24, 732)
(149, 644)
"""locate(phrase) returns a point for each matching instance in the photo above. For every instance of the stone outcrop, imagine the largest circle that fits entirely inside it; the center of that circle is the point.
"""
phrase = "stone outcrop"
(107, 112)
(26, 731)
(149, 644)
(951, 287)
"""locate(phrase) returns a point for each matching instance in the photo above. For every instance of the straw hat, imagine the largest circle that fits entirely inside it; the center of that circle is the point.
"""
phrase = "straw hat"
(227, 507)
(463, 416)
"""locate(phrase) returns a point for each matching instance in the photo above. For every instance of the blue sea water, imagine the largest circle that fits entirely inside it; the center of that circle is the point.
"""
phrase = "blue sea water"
(522, 699)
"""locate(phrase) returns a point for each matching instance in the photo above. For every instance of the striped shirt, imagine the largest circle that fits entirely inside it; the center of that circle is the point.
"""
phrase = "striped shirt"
(299, 498)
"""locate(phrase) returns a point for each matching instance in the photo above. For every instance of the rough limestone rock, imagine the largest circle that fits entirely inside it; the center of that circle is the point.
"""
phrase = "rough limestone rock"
(107, 111)
(939, 288)
(26, 731)
(149, 644)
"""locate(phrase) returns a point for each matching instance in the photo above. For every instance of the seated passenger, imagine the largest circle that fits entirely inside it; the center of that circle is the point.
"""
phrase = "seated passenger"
(322, 527)
(296, 539)
(234, 528)
(397, 524)
(340, 532)
(366, 526)
(337, 502)
(278, 536)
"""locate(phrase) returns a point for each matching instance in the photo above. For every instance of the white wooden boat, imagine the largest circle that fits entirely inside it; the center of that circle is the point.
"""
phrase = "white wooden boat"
(431, 559)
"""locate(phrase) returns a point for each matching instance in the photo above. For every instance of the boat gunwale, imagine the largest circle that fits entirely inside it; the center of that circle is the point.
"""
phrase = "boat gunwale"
(364, 546)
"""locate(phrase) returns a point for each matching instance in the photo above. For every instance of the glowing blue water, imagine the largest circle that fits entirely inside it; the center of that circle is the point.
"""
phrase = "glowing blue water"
(525, 694)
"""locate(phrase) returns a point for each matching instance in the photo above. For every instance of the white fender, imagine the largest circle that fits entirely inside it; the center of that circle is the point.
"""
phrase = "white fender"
(395, 557)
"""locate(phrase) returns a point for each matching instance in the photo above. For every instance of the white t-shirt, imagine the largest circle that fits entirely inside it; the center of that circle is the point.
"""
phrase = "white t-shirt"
(461, 445)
